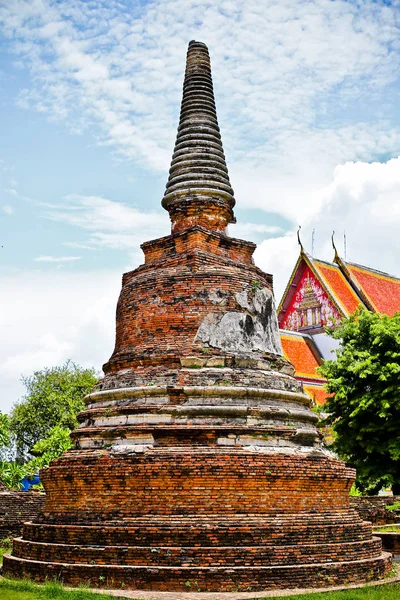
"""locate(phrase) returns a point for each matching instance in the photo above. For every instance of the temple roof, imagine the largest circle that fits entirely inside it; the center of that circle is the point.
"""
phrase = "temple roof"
(336, 285)
(332, 279)
(347, 284)
(301, 351)
(382, 291)
(317, 392)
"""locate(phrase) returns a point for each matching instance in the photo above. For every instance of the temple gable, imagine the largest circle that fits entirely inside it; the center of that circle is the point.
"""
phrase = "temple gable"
(310, 308)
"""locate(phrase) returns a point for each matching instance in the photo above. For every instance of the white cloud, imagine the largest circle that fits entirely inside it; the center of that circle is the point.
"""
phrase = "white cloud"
(12, 192)
(57, 259)
(110, 224)
(46, 350)
(284, 73)
(363, 199)
(278, 257)
(47, 318)
(289, 183)
(7, 209)
(242, 230)
(78, 245)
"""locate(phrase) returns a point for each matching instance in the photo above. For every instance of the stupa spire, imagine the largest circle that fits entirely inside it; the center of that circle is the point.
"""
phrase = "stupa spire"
(197, 461)
(198, 190)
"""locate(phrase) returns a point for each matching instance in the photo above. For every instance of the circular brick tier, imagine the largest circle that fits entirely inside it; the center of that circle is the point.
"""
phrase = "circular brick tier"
(220, 518)
(232, 578)
(197, 463)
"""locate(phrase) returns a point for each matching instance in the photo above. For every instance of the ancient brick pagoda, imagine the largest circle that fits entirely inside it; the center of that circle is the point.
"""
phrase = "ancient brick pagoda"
(197, 464)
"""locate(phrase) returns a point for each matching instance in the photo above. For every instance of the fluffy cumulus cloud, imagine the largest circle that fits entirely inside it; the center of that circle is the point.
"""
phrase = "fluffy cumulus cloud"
(282, 70)
(50, 317)
(108, 223)
(363, 202)
(307, 96)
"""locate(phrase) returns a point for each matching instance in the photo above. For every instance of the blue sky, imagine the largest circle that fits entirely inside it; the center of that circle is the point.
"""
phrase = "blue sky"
(308, 102)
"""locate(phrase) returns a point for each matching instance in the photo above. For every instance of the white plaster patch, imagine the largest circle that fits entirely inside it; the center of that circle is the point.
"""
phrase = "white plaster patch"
(255, 330)
(130, 449)
(148, 418)
(217, 297)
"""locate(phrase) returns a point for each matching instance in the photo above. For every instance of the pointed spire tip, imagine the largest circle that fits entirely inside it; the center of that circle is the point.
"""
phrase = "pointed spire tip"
(198, 190)
(196, 43)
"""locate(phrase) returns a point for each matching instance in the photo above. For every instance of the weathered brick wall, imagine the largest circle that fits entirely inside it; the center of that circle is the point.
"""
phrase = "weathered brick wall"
(390, 541)
(373, 508)
(163, 303)
(195, 519)
(16, 508)
(283, 519)
(192, 483)
(194, 578)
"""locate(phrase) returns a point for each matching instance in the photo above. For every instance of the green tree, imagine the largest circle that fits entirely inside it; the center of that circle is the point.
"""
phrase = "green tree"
(56, 443)
(11, 474)
(53, 398)
(365, 409)
(4, 431)
(6, 445)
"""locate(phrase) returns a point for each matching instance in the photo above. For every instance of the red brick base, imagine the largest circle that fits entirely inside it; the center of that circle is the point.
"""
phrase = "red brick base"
(187, 519)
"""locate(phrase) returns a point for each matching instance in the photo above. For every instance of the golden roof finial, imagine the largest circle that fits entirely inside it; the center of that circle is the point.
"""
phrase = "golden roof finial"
(334, 247)
(299, 240)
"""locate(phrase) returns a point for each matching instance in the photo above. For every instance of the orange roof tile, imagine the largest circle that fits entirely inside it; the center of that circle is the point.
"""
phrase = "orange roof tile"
(317, 393)
(381, 289)
(299, 351)
(338, 286)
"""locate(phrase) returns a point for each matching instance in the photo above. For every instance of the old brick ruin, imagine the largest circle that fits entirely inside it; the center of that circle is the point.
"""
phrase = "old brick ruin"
(197, 464)
(17, 507)
(377, 509)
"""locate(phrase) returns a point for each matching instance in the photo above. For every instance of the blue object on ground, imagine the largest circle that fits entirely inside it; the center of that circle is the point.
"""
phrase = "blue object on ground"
(28, 481)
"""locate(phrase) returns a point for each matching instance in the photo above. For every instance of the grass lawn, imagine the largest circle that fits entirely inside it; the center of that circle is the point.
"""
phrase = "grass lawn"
(25, 590)
(5, 546)
(387, 529)
(382, 592)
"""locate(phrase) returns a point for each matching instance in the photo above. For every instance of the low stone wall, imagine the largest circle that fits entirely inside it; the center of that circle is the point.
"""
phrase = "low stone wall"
(16, 508)
(373, 508)
(390, 540)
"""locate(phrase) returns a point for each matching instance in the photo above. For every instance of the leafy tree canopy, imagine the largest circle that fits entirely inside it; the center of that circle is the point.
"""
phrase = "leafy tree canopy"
(56, 443)
(11, 474)
(364, 411)
(53, 398)
(4, 430)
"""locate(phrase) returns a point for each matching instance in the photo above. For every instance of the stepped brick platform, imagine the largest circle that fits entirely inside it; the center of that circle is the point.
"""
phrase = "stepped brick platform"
(197, 463)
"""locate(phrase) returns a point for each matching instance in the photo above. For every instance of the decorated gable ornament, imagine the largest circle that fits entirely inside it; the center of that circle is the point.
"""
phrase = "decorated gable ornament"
(311, 307)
